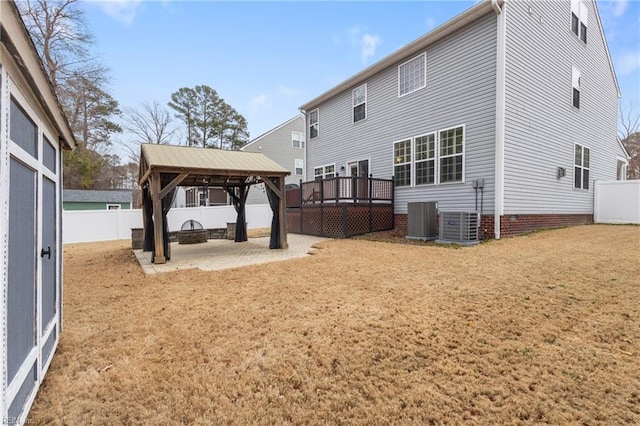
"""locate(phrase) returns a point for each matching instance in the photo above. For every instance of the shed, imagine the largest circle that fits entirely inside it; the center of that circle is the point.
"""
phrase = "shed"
(33, 134)
(164, 167)
(86, 199)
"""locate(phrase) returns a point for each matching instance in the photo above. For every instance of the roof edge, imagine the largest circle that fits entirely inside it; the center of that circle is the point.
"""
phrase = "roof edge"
(606, 48)
(267, 133)
(455, 23)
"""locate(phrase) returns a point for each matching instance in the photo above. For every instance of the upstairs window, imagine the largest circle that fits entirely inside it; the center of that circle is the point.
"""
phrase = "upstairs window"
(575, 84)
(359, 97)
(299, 166)
(579, 18)
(581, 167)
(313, 123)
(297, 140)
(412, 75)
(402, 162)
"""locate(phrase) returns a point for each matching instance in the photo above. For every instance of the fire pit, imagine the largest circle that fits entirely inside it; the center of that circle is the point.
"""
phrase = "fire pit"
(192, 232)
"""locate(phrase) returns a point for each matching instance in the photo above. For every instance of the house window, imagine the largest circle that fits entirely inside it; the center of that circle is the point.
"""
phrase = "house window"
(326, 172)
(313, 124)
(581, 167)
(412, 75)
(579, 18)
(402, 162)
(297, 140)
(575, 83)
(359, 97)
(425, 159)
(299, 165)
(451, 154)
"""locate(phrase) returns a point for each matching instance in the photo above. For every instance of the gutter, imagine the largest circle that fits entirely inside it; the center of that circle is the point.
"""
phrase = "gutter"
(500, 114)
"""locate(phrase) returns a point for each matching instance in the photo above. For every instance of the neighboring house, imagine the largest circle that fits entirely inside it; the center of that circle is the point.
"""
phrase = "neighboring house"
(81, 199)
(510, 109)
(33, 133)
(284, 144)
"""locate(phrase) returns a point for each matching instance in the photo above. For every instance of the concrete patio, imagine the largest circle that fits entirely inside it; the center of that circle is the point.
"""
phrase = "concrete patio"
(216, 255)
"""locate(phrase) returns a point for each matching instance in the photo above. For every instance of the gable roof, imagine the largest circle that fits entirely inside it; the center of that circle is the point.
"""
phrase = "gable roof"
(286, 123)
(219, 167)
(15, 37)
(475, 12)
(95, 196)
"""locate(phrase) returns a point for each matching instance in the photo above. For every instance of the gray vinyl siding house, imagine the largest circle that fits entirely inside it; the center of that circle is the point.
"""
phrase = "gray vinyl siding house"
(33, 134)
(501, 74)
(284, 144)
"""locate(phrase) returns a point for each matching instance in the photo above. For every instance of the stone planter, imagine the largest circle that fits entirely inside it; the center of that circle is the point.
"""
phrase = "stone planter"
(137, 238)
(193, 236)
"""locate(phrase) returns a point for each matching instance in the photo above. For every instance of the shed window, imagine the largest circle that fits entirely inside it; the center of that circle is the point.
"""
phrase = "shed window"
(359, 97)
(22, 130)
(313, 123)
(412, 75)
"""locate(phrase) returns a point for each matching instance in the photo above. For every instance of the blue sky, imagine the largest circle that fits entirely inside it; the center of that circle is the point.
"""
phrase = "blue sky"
(268, 58)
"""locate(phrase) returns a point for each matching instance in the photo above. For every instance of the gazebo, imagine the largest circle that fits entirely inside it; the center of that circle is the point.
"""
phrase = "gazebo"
(165, 167)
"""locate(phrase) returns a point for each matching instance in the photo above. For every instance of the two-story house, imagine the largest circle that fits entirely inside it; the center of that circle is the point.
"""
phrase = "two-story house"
(508, 109)
(284, 144)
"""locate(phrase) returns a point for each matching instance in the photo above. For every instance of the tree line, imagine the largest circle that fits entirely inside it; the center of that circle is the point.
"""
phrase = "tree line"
(200, 116)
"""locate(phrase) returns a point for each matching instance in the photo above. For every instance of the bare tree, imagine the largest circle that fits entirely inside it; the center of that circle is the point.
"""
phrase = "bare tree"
(63, 40)
(629, 136)
(150, 123)
(60, 33)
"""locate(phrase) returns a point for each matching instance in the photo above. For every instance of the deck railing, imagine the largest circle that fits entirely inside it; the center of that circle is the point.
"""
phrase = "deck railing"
(346, 189)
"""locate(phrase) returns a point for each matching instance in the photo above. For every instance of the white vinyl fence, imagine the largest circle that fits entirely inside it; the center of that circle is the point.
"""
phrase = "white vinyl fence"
(81, 226)
(617, 202)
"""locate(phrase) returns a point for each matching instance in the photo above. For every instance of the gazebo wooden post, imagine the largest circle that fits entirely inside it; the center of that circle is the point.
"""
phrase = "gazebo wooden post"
(283, 213)
(157, 218)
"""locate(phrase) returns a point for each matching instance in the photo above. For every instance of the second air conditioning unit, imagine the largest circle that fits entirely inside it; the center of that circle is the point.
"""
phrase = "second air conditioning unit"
(459, 228)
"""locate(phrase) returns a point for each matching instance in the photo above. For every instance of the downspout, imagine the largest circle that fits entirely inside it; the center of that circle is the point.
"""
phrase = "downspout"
(500, 114)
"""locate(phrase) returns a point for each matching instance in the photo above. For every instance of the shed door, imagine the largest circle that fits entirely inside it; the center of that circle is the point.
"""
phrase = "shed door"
(33, 288)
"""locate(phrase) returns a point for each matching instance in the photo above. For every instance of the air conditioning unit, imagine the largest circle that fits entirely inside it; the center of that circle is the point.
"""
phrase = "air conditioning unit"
(458, 228)
(421, 221)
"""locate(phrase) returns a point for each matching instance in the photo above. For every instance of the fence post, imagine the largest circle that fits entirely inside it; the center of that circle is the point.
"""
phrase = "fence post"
(370, 203)
(345, 222)
(393, 202)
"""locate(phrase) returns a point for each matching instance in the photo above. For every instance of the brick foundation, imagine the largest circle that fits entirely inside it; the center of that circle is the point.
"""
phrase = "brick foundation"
(512, 225)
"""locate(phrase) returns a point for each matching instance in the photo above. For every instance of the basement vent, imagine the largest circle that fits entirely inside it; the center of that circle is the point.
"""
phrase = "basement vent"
(458, 228)
(421, 221)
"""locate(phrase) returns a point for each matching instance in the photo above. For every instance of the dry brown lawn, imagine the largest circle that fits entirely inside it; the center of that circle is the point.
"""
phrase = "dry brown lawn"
(540, 328)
